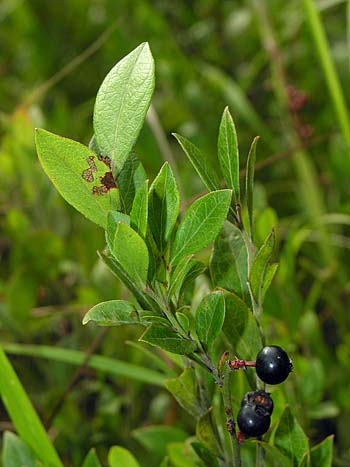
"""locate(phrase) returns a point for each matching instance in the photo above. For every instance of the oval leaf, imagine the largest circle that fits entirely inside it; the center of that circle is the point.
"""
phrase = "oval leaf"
(121, 104)
(113, 219)
(210, 317)
(155, 438)
(91, 460)
(240, 328)
(322, 453)
(139, 210)
(112, 313)
(201, 163)
(228, 154)
(79, 175)
(131, 253)
(249, 182)
(184, 389)
(121, 457)
(15, 453)
(290, 438)
(260, 262)
(229, 262)
(201, 224)
(164, 205)
(167, 339)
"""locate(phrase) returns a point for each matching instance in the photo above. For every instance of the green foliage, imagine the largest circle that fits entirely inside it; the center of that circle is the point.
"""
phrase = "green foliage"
(65, 162)
(50, 275)
(121, 105)
(210, 316)
(291, 439)
(120, 457)
(16, 453)
(201, 224)
(228, 154)
(25, 419)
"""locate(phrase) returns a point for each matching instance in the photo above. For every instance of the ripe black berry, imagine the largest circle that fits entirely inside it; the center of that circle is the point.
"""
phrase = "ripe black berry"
(253, 420)
(273, 365)
(254, 415)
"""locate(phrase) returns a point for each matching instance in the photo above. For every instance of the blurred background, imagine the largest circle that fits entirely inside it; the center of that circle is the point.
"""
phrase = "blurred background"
(284, 80)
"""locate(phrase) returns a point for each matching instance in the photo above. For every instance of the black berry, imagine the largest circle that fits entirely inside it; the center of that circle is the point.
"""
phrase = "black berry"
(254, 415)
(253, 420)
(273, 365)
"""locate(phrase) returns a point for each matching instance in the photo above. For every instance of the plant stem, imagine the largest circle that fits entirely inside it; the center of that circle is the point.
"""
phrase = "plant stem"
(225, 390)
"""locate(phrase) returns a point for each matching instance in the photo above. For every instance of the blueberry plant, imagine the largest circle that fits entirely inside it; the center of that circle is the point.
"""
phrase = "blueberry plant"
(206, 309)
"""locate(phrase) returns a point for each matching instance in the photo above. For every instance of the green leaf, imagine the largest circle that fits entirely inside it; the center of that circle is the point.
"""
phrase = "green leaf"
(205, 455)
(274, 456)
(249, 183)
(178, 274)
(76, 172)
(201, 224)
(322, 453)
(164, 205)
(201, 163)
(139, 210)
(91, 460)
(156, 438)
(165, 462)
(144, 300)
(210, 317)
(121, 457)
(167, 339)
(112, 313)
(131, 253)
(113, 219)
(240, 328)
(270, 272)
(183, 320)
(229, 262)
(260, 262)
(15, 453)
(121, 104)
(193, 269)
(129, 181)
(182, 455)
(207, 434)
(290, 438)
(228, 154)
(23, 415)
(108, 365)
(184, 389)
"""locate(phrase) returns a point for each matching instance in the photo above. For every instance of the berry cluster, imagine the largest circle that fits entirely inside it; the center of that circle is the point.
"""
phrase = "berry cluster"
(273, 366)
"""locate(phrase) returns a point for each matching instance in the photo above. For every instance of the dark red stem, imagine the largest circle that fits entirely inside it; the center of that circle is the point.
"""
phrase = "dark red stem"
(236, 364)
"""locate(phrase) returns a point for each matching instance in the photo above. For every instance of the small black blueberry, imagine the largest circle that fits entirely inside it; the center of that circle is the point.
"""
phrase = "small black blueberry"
(273, 364)
(253, 420)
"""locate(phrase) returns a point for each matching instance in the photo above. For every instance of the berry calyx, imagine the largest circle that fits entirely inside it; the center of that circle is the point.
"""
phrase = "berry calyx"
(273, 364)
(259, 398)
(253, 420)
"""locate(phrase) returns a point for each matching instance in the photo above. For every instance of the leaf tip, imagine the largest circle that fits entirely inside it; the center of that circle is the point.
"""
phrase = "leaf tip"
(86, 319)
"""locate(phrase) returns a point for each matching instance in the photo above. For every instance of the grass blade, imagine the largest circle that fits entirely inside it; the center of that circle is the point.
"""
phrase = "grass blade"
(23, 415)
(331, 76)
(97, 362)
